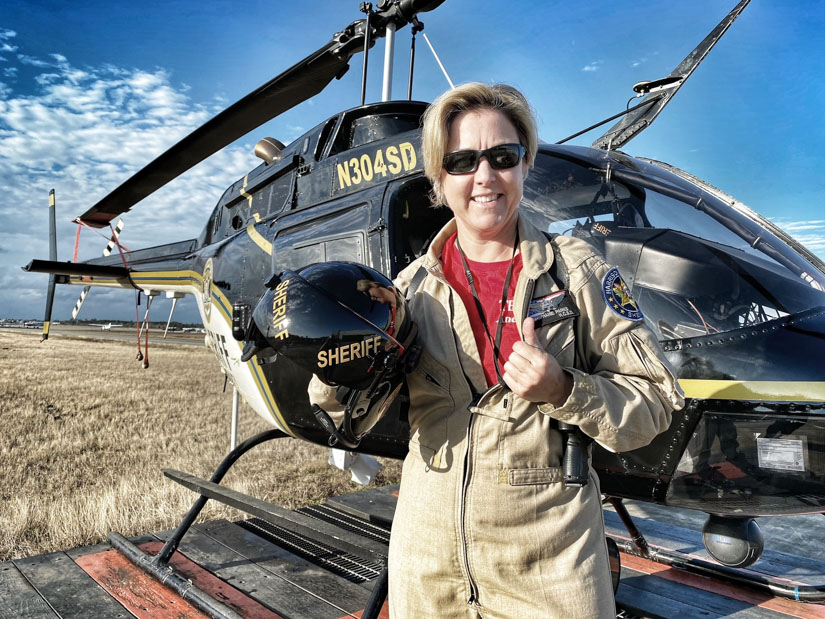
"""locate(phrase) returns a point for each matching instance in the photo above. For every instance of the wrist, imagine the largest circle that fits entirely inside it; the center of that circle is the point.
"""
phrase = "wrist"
(564, 387)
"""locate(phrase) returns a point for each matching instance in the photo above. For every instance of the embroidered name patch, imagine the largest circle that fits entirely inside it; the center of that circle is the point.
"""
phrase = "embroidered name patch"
(617, 296)
(552, 308)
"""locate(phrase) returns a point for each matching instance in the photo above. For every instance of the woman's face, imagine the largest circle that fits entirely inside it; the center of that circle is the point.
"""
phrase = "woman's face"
(484, 202)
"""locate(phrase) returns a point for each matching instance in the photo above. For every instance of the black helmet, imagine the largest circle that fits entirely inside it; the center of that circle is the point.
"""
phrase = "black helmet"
(347, 324)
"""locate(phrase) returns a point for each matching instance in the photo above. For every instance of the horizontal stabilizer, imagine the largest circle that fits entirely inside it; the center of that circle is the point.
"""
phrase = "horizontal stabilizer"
(76, 269)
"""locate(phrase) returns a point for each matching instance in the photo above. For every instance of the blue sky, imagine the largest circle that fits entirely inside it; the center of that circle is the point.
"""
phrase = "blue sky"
(91, 91)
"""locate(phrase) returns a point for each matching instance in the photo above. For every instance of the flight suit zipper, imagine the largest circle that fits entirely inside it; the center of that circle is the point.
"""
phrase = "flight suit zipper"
(465, 482)
(468, 461)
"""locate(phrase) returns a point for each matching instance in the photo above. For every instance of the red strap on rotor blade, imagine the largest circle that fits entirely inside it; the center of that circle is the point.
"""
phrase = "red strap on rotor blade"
(76, 242)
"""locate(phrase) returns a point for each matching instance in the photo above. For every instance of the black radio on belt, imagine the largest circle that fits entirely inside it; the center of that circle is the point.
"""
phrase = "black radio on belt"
(574, 465)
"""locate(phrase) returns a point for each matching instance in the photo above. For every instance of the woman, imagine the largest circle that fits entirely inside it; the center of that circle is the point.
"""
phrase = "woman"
(484, 525)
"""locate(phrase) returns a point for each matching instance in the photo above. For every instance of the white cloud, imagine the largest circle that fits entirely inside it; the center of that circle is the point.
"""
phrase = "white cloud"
(5, 46)
(593, 66)
(795, 226)
(293, 132)
(810, 233)
(34, 61)
(84, 132)
(639, 62)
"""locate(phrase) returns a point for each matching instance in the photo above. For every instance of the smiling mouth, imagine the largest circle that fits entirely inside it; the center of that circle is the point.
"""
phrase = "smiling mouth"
(486, 199)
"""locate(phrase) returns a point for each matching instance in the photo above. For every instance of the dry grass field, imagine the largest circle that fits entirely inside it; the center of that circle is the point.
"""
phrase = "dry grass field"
(85, 432)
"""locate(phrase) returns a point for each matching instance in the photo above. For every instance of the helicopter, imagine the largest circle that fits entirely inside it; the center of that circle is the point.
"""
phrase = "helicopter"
(737, 304)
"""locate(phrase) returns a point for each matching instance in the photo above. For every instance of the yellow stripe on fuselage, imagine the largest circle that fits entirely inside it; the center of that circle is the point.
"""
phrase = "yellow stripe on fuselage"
(258, 239)
(768, 390)
(256, 236)
(147, 279)
(167, 279)
(243, 191)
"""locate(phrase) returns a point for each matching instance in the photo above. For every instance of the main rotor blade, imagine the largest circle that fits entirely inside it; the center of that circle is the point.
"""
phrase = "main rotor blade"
(295, 85)
(632, 124)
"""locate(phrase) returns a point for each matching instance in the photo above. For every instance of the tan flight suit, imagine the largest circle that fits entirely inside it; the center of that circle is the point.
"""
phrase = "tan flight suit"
(484, 526)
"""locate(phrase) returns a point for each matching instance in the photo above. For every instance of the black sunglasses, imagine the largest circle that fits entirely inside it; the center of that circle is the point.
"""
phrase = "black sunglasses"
(500, 157)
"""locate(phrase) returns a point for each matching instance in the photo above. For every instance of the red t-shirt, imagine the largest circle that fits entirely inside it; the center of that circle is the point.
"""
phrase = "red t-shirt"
(488, 278)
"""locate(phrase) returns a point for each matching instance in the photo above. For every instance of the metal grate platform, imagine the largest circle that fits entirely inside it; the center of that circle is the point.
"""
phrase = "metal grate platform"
(353, 568)
(347, 521)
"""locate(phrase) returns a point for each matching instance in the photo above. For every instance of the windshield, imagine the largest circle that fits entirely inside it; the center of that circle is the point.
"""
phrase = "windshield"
(695, 265)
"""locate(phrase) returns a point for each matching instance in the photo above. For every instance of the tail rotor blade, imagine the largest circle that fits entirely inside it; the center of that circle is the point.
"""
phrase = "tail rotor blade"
(79, 303)
(113, 240)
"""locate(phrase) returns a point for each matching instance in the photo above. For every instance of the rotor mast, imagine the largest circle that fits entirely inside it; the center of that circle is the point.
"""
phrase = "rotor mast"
(389, 49)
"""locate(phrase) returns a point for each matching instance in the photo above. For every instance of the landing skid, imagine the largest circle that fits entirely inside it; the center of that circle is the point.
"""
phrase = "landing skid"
(158, 565)
(638, 546)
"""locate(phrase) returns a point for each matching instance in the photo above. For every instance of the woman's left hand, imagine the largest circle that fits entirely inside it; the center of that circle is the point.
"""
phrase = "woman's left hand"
(533, 374)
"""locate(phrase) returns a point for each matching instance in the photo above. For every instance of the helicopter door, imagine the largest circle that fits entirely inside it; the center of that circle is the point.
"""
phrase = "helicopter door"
(413, 221)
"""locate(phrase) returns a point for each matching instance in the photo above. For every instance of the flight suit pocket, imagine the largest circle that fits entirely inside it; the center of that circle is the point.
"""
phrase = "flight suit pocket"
(529, 448)
(429, 381)
(430, 403)
(644, 355)
(532, 477)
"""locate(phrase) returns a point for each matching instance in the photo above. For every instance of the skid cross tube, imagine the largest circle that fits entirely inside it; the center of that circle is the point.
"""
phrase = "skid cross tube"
(772, 586)
(172, 543)
(158, 566)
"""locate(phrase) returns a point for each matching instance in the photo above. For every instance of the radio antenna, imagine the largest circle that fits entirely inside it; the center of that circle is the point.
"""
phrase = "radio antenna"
(438, 60)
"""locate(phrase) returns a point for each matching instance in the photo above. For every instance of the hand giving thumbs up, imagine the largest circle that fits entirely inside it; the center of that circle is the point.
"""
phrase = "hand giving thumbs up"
(533, 374)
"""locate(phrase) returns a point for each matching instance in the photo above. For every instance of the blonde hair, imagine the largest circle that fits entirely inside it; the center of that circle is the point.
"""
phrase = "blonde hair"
(439, 116)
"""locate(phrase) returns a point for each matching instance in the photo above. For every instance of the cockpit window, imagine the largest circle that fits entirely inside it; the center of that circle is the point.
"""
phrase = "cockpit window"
(374, 127)
(695, 265)
(379, 126)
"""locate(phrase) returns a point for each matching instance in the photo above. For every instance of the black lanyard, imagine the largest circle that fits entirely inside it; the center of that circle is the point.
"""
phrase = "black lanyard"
(497, 342)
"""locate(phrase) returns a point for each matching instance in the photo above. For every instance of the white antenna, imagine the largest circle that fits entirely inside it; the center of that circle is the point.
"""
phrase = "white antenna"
(438, 60)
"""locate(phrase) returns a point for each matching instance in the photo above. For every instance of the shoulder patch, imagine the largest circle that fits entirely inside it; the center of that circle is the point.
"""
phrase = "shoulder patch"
(617, 296)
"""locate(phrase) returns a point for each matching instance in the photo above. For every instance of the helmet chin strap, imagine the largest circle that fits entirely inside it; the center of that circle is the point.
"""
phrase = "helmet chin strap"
(358, 407)
(336, 437)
